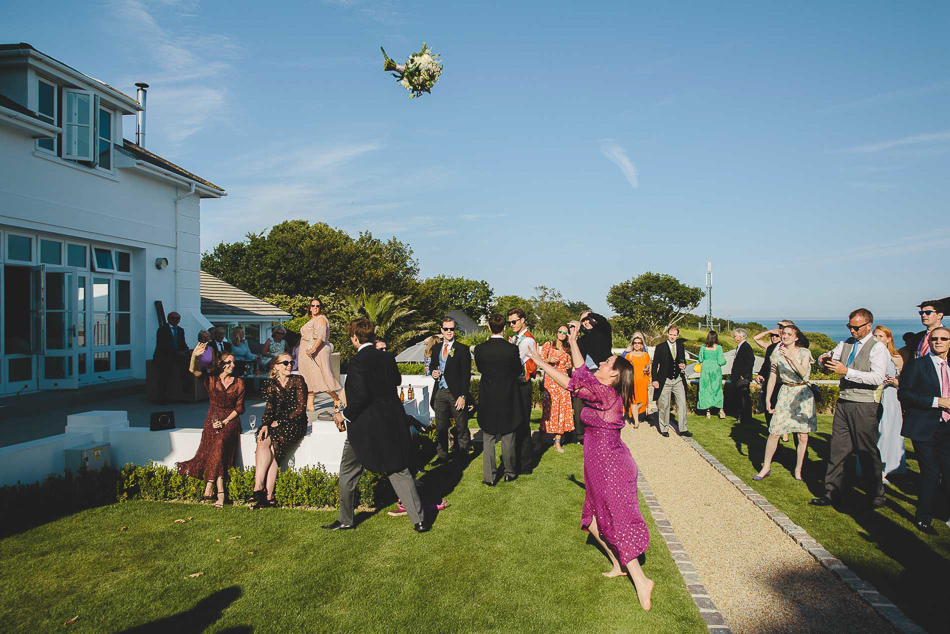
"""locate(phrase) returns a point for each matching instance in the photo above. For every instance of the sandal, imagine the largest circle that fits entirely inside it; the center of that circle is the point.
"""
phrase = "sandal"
(220, 502)
(260, 500)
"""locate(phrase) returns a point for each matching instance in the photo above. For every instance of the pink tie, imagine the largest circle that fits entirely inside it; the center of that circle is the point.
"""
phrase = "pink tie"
(924, 349)
(945, 388)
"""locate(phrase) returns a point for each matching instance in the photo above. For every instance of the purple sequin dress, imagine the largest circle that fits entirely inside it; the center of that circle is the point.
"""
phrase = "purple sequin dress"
(610, 474)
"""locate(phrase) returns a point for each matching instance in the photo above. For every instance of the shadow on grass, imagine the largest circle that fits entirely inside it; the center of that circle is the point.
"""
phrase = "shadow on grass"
(206, 613)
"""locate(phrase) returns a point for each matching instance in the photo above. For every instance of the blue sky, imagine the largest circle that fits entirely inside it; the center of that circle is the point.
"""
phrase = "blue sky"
(803, 148)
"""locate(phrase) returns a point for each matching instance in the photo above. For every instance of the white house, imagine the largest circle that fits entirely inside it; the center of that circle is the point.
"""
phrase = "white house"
(95, 230)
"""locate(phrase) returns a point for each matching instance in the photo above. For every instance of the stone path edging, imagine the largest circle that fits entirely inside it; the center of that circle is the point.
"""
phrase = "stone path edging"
(707, 609)
(878, 602)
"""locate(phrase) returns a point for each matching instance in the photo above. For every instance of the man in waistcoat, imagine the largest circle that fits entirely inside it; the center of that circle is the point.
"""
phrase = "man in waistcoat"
(452, 363)
(517, 319)
(861, 361)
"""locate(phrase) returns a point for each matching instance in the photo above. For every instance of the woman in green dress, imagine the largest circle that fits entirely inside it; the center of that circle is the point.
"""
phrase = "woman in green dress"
(794, 411)
(710, 378)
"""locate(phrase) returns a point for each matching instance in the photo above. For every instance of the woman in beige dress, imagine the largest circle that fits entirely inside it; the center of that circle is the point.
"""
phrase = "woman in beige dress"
(314, 358)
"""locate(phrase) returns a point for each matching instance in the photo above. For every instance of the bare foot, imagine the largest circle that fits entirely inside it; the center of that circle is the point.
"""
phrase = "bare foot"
(644, 594)
(614, 572)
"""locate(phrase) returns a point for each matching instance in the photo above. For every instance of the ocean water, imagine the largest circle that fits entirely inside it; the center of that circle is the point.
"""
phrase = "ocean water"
(837, 329)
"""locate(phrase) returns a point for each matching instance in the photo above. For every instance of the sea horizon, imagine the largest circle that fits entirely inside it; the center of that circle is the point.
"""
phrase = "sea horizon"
(836, 328)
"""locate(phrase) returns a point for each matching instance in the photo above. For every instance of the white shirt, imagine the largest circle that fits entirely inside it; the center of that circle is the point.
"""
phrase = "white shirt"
(879, 358)
(938, 362)
(672, 349)
(525, 345)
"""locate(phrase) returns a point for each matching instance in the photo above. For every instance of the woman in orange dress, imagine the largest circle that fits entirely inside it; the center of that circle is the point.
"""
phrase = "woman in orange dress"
(636, 353)
(557, 415)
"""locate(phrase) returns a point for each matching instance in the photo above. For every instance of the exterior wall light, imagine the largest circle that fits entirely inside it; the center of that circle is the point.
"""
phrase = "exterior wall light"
(161, 263)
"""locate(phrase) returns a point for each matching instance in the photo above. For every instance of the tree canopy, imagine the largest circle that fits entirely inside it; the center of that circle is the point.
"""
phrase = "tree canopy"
(652, 302)
(440, 294)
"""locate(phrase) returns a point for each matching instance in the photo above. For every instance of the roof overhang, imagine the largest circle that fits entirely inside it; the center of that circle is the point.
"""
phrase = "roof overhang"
(126, 161)
(39, 129)
(235, 318)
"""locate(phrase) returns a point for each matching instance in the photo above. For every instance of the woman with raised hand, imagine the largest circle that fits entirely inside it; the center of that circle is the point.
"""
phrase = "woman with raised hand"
(314, 359)
(222, 428)
(284, 423)
(794, 411)
(611, 508)
(891, 442)
(557, 415)
(636, 353)
(710, 378)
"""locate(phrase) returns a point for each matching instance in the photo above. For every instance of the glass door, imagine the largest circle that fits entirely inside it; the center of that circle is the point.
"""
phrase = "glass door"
(55, 288)
(102, 352)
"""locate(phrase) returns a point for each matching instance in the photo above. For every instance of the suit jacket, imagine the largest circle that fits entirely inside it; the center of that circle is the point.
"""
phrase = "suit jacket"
(743, 363)
(919, 384)
(458, 370)
(499, 399)
(214, 345)
(596, 342)
(377, 428)
(766, 368)
(663, 361)
(165, 349)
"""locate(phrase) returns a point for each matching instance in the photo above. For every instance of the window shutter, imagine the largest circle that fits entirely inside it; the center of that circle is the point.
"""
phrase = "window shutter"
(79, 120)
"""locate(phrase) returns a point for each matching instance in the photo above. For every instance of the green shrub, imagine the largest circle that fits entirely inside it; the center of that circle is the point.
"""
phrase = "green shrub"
(536, 387)
(407, 369)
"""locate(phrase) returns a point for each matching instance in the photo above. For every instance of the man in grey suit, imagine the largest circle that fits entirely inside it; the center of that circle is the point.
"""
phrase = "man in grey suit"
(499, 400)
(378, 437)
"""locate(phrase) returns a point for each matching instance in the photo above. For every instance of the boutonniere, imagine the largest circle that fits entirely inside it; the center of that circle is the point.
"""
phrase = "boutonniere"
(452, 351)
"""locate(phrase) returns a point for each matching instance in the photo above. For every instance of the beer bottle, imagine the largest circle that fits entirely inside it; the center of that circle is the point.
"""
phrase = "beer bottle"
(402, 395)
(412, 395)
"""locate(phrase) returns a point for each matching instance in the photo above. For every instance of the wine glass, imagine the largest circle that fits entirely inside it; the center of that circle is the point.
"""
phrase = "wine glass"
(253, 421)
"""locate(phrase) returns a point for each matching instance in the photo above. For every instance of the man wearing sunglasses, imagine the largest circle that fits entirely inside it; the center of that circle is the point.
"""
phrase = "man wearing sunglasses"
(452, 374)
(861, 361)
(517, 321)
(931, 316)
(925, 394)
(762, 377)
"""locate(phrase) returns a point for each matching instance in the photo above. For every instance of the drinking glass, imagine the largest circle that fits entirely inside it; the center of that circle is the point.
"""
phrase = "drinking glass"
(253, 421)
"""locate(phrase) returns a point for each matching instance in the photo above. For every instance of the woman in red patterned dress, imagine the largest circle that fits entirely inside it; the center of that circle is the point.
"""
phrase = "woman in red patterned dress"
(557, 415)
(222, 430)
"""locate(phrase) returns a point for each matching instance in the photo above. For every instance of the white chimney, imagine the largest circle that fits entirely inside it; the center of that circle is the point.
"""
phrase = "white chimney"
(140, 115)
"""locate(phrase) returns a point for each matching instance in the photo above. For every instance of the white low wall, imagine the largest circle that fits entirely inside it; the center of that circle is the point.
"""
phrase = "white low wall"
(323, 443)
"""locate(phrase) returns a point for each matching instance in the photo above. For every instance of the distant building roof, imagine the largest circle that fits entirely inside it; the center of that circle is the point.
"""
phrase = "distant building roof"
(220, 299)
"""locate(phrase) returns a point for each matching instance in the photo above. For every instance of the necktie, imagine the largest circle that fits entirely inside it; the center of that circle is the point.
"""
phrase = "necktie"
(854, 353)
(945, 388)
(924, 348)
(445, 352)
(174, 336)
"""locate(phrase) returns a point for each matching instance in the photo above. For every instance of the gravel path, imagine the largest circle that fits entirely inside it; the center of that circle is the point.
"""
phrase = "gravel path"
(760, 580)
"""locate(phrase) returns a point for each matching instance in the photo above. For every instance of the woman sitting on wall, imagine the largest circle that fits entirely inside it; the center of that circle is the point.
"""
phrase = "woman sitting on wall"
(284, 424)
(222, 429)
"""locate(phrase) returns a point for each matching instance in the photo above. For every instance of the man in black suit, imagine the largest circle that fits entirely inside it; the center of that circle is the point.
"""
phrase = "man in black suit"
(762, 378)
(924, 392)
(378, 436)
(743, 365)
(218, 342)
(669, 381)
(452, 371)
(499, 399)
(171, 355)
(931, 316)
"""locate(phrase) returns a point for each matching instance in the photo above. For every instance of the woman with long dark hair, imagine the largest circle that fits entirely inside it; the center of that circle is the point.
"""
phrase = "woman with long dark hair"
(710, 377)
(611, 508)
(636, 353)
(794, 412)
(222, 429)
(557, 415)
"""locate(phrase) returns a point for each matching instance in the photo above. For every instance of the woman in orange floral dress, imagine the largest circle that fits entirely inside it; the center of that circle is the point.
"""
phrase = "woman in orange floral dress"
(557, 414)
(636, 353)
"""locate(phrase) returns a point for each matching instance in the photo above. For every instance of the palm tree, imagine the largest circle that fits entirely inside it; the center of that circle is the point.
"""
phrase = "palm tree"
(394, 322)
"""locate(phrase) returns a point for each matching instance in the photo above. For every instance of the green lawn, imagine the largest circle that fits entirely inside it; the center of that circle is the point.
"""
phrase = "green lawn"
(881, 546)
(508, 559)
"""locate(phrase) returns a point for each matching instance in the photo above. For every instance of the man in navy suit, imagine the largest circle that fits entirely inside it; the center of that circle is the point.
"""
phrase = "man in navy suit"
(171, 355)
(924, 392)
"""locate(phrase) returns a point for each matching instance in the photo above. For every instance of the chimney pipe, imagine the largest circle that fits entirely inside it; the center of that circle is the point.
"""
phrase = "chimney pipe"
(140, 115)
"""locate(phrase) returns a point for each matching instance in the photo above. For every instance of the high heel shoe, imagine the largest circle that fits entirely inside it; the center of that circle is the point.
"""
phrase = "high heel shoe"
(799, 478)
(260, 499)
(722, 415)
(708, 415)
(758, 477)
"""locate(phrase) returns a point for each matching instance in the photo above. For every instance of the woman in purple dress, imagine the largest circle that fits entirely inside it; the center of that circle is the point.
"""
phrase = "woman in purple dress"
(611, 507)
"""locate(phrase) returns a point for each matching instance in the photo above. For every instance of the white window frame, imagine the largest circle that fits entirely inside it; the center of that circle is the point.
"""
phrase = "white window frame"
(34, 245)
(111, 114)
(93, 116)
(39, 251)
(115, 261)
(92, 259)
(54, 139)
(86, 246)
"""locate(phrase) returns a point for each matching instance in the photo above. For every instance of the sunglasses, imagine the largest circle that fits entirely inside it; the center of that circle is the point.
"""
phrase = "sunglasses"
(228, 363)
(316, 305)
(856, 328)
(284, 363)
(562, 332)
(513, 322)
(925, 312)
(448, 329)
(940, 338)
(772, 334)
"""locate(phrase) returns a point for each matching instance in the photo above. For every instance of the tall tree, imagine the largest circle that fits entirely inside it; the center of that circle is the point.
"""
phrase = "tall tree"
(652, 302)
(440, 294)
(507, 302)
(551, 308)
(299, 258)
(394, 321)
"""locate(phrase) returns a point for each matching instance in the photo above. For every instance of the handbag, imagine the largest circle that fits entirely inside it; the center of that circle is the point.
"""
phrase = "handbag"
(161, 421)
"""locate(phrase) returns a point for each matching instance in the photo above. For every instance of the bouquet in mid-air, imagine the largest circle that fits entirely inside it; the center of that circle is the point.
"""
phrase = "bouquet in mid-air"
(419, 73)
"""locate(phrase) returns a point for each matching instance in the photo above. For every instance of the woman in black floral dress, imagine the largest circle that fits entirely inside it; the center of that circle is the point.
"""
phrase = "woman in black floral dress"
(284, 423)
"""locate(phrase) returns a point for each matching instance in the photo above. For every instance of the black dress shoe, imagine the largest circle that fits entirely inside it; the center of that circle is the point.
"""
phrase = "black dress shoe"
(488, 484)
(926, 528)
(822, 501)
(686, 434)
(510, 478)
(665, 434)
(420, 528)
(526, 472)
(338, 526)
(440, 461)
(878, 502)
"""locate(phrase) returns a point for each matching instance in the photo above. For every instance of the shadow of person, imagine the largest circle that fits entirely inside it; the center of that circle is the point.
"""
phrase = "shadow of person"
(202, 616)
(573, 478)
